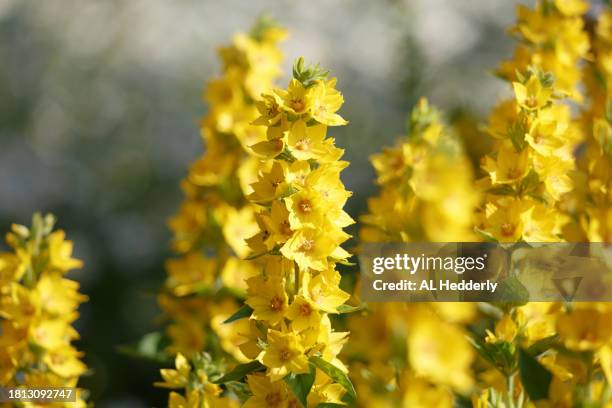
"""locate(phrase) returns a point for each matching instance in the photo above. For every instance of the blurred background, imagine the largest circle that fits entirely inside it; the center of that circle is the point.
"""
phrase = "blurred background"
(99, 109)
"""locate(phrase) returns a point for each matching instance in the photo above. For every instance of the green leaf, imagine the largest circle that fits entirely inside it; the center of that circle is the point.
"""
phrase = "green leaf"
(516, 133)
(542, 345)
(307, 75)
(512, 291)
(242, 313)
(151, 346)
(535, 378)
(529, 182)
(300, 384)
(335, 374)
(608, 112)
(330, 405)
(240, 371)
(342, 309)
(504, 189)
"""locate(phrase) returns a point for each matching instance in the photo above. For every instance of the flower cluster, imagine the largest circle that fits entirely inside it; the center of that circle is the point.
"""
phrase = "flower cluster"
(425, 185)
(530, 165)
(553, 37)
(37, 308)
(198, 390)
(426, 194)
(534, 133)
(206, 279)
(300, 230)
(596, 166)
(555, 354)
(207, 276)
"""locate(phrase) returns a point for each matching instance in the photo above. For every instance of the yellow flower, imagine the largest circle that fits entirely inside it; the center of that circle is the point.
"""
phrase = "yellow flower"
(585, 328)
(181, 378)
(572, 7)
(58, 296)
(505, 330)
(303, 313)
(284, 355)
(64, 361)
(268, 298)
(326, 101)
(270, 185)
(431, 357)
(307, 208)
(420, 394)
(505, 219)
(266, 393)
(324, 292)
(269, 109)
(325, 392)
(509, 167)
(532, 95)
(191, 273)
(297, 99)
(310, 247)
(237, 227)
(307, 142)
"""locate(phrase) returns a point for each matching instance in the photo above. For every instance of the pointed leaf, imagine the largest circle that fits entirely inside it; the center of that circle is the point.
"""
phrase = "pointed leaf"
(535, 378)
(300, 384)
(244, 312)
(240, 371)
(335, 374)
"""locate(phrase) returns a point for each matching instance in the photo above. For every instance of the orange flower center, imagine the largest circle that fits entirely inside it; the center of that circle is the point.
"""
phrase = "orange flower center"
(507, 229)
(273, 399)
(276, 304)
(298, 104)
(305, 309)
(307, 245)
(305, 206)
(284, 354)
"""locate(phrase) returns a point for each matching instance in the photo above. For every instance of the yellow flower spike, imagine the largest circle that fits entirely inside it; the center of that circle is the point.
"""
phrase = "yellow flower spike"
(426, 194)
(298, 242)
(552, 38)
(216, 218)
(37, 308)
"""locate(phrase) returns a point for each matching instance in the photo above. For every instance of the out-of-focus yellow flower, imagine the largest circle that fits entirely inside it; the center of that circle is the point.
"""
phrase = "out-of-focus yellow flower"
(208, 276)
(532, 95)
(431, 357)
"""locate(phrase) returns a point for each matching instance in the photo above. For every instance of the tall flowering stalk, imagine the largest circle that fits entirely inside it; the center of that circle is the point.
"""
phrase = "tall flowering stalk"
(551, 36)
(300, 195)
(426, 194)
(551, 353)
(205, 281)
(37, 308)
(596, 217)
(533, 133)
